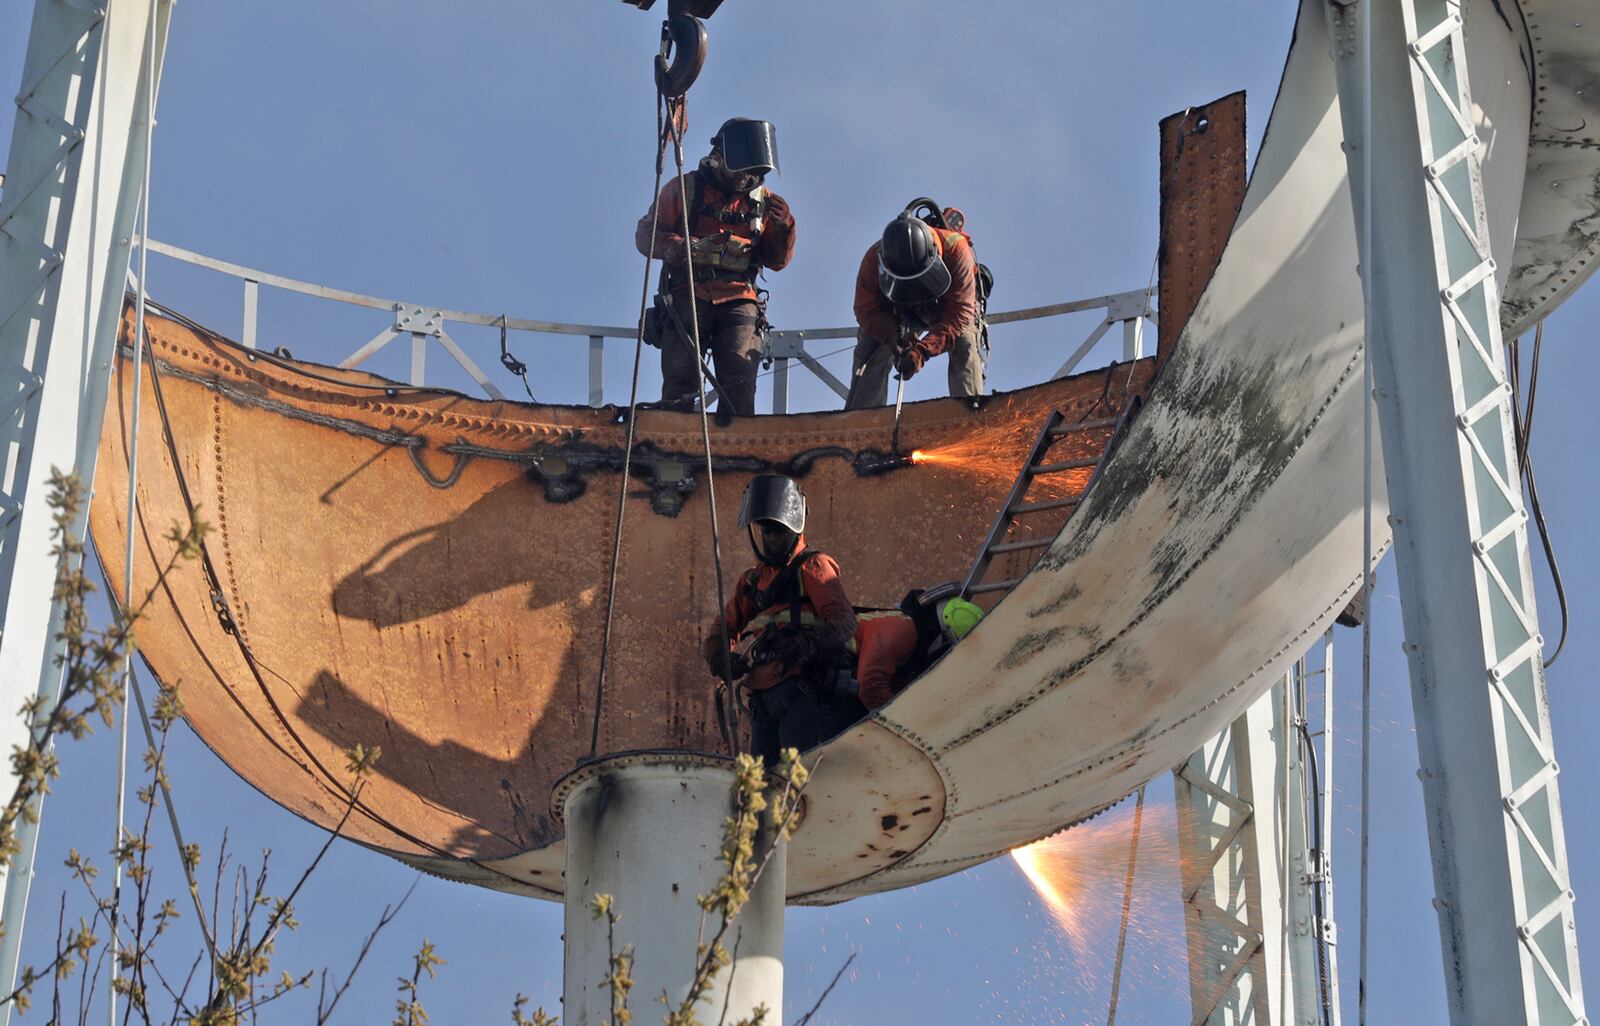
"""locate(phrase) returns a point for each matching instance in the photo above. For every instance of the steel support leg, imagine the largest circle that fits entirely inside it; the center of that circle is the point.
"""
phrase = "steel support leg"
(74, 176)
(647, 829)
(1472, 637)
(1249, 916)
(1228, 871)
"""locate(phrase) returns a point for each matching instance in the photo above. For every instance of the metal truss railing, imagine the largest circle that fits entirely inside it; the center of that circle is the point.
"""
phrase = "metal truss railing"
(424, 324)
(1513, 668)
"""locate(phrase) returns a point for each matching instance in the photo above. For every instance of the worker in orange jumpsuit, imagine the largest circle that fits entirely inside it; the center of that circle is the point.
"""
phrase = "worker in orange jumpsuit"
(737, 227)
(886, 644)
(895, 646)
(790, 623)
(916, 298)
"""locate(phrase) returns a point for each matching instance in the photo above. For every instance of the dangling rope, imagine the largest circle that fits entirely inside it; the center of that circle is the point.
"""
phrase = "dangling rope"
(633, 411)
(1127, 908)
(676, 128)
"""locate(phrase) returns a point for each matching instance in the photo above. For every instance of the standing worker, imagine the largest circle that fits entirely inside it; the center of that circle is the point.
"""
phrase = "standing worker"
(736, 227)
(790, 622)
(917, 297)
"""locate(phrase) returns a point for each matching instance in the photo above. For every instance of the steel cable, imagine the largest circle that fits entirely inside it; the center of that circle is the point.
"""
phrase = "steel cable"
(1127, 909)
(133, 506)
(633, 412)
(705, 435)
(230, 626)
(1367, 276)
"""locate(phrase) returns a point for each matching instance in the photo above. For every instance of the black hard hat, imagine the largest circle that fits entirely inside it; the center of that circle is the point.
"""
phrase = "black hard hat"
(911, 269)
(776, 498)
(748, 145)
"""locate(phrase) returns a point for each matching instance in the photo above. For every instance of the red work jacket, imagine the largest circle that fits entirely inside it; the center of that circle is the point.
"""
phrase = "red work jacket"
(823, 604)
(718, 212)
(945, 318)
(885, 642)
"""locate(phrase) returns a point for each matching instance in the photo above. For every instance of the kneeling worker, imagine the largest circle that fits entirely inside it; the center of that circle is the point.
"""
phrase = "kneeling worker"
(895, 646)
(791, 622)
(916, 298)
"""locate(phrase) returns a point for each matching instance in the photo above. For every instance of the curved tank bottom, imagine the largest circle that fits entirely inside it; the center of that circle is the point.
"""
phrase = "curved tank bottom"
(427, 572)
(421, 570)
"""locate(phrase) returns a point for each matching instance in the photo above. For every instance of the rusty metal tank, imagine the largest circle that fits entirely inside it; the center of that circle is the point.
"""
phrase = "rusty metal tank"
(426, 572)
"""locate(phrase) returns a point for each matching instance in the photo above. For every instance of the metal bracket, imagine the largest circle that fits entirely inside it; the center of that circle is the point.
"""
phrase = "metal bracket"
(418, 320)
(1127, 306)
(785, 345)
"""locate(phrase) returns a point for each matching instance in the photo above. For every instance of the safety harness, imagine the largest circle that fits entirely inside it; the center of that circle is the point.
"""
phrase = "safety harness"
(786, 621)
(727, 213)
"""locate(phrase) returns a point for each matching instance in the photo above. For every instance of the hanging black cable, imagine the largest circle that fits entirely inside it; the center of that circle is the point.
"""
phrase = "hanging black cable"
(1324, 984)
(516, 366)
(1522, 426)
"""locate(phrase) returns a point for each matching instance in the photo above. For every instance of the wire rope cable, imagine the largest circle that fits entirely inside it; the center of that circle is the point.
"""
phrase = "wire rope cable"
(314, 766)
(627, 451)
(1366, 511)
(1127, 908)
(166, 794)
(149, 114)
(676, 127)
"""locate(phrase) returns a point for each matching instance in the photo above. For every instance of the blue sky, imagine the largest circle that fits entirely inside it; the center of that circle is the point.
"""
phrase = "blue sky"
(493, 156)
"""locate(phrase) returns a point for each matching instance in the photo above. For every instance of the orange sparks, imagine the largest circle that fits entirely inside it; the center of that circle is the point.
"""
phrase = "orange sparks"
(1080, 876)
(982, 458)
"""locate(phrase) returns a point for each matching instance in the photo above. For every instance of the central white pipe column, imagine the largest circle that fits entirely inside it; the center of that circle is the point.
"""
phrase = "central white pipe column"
(647, 828)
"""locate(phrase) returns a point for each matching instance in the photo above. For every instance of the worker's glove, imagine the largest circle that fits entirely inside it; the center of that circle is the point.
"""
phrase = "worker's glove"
(908, 361)
(844, 691)
(778, 210)
(791, 649)
(669, 250)
(831, 646)
(713, 652)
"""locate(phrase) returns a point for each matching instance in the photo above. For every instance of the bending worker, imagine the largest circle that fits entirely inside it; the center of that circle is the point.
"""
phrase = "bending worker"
(895, 646)
(790, 621)
(736, 227)
(916, 298)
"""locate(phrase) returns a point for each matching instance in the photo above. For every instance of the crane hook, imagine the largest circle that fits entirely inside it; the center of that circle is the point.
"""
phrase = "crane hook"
(683, 54)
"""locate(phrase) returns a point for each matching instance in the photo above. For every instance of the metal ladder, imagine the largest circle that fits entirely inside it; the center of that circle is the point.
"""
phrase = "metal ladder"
(1033, 468)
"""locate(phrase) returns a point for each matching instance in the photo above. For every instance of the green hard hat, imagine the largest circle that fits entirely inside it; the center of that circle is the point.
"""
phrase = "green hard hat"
(958, 617)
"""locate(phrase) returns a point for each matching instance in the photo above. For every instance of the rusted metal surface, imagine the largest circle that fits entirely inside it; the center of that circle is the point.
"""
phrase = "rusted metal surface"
(1558, 230)
(424, 572)
(1202, 187)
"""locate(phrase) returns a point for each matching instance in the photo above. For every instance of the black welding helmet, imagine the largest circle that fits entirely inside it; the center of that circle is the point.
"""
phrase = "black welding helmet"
(911, 268)
(774, 514)
(748, 145)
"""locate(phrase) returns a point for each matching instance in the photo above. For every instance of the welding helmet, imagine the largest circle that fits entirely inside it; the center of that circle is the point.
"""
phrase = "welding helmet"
(911, 268)
(773, 512)
(748, 146)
